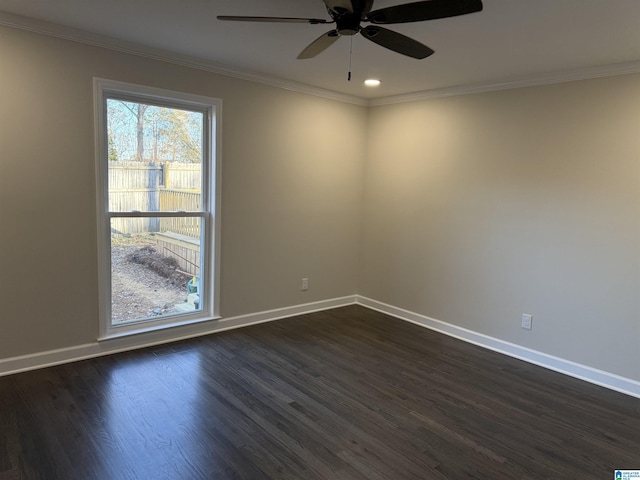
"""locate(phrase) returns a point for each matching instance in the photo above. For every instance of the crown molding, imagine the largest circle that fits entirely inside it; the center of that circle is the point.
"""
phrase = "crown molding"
(517, 82)
(93, 39)
(88, 38)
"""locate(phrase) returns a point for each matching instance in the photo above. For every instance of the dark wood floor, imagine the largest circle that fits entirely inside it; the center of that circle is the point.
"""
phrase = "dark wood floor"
(344, 394)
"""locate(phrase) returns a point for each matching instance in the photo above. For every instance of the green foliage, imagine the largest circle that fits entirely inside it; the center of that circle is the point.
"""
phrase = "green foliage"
(113, 152)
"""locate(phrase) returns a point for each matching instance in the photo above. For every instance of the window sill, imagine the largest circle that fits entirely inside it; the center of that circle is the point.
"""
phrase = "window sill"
(149, 327)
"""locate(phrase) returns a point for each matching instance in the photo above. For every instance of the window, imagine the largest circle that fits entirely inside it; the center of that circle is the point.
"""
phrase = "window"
(158, 208)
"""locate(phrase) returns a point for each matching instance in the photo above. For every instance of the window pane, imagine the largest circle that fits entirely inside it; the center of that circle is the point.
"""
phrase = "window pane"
(154, 158)
(157, 191)
(155, 271)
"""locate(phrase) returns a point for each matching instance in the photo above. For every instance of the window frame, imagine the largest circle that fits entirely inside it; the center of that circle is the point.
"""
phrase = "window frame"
(210, 206)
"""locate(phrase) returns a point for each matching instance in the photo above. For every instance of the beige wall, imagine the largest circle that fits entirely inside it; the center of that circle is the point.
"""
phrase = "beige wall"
(480, 208)
(476, 208)
(291, 201)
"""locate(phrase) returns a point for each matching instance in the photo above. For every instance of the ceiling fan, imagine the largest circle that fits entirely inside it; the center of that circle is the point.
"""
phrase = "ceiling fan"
(348, 14)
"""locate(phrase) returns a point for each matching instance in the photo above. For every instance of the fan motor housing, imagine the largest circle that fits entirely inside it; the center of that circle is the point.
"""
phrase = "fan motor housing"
(348, 24)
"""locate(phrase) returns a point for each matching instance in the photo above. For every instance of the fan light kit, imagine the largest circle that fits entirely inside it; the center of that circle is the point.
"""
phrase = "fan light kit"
(372, 82)
(348, 14)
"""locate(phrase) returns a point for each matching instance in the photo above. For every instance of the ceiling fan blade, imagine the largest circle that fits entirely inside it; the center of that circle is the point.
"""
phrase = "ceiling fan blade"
(274, 19)
(319, 45)
(425, 10)
(396, 41)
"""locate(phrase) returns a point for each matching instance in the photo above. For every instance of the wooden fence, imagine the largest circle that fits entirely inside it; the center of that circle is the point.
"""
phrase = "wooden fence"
(182, 176)
(152, 187)
(184, 248)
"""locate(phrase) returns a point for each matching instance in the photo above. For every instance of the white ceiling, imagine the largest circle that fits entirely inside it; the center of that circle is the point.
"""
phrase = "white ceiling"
(507, 41)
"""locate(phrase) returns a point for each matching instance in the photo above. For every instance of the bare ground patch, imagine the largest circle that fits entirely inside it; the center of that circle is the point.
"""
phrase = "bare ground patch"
(144, 283)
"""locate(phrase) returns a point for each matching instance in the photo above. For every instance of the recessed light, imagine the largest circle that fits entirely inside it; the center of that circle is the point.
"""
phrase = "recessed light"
(372, 82)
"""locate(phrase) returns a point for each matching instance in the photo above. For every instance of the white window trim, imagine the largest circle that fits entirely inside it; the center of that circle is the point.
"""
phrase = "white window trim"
(211, 175)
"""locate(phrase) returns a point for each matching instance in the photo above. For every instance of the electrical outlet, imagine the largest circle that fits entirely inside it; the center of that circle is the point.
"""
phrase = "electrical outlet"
(304, 285)
(526, 321)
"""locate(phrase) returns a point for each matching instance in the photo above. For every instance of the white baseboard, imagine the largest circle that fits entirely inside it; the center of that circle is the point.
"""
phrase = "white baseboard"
(567, 367)
(50, 358)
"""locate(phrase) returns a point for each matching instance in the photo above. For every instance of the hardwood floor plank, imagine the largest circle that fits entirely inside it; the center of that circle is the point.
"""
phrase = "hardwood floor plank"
(344, 394)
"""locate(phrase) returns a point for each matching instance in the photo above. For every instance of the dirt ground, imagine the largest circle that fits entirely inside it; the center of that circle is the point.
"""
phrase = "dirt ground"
(137, 290)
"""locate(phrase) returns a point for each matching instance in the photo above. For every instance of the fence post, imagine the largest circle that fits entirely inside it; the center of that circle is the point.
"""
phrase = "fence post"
(166, 175)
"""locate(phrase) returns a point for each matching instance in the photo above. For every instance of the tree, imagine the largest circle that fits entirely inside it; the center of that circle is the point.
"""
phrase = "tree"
(179, 134)
(113, 152)
(138, 110)
(150, 133)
